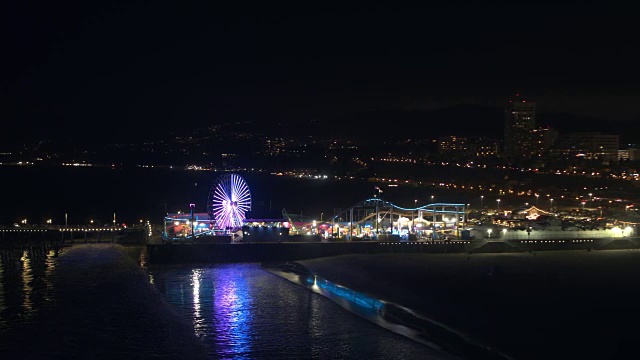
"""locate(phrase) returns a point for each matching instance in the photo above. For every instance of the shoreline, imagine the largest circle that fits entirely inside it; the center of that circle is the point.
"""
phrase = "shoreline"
(393, 317)
(529, 305)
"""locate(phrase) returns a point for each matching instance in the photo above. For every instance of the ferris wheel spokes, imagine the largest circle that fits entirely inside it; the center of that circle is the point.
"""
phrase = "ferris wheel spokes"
(229, 199)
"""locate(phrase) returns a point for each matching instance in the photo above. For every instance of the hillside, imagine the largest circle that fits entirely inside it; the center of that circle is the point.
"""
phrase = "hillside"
(462, 120)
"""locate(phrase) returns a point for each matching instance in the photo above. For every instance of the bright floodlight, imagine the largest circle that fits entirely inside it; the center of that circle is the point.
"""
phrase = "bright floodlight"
(229, 199)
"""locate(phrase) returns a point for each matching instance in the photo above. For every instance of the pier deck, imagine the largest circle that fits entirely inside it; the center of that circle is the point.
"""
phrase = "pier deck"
(293, 251)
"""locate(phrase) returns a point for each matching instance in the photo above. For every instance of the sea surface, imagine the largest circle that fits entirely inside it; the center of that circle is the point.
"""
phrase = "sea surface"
(40, 193)
(105, 301)
(96, 193)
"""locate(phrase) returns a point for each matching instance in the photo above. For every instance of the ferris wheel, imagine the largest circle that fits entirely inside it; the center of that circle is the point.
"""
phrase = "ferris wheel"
(229, 199)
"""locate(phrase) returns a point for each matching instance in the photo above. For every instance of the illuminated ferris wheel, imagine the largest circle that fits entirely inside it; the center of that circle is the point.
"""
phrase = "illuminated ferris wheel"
(229, 199)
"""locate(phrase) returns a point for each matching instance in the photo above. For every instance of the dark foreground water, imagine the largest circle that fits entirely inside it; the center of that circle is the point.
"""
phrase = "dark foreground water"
(241, 311)
(93, 301)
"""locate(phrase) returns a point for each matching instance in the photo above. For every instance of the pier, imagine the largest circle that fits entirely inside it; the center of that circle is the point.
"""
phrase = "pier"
(72, 234)
(294, 251)
(370, 226)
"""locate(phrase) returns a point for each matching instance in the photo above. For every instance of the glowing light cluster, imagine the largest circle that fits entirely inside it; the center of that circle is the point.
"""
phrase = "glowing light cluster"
(229, 199)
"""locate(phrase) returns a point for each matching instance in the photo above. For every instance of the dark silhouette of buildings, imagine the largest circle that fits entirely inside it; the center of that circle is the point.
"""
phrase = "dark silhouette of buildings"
(520, 121)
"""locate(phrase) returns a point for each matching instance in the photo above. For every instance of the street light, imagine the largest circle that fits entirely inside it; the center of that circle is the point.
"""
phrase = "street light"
(481, 201)
(498, 200)
(537, 197)
(551, 205)
(432, 198)
(489, 232)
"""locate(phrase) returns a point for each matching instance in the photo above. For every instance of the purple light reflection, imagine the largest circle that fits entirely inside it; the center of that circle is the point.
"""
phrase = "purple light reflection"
(232, 306)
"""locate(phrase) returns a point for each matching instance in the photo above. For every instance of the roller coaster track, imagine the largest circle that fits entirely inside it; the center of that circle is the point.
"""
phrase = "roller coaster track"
(373, 202)
(286, 215)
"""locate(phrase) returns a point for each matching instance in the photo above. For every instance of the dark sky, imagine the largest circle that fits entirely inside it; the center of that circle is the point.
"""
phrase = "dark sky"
(144, 66)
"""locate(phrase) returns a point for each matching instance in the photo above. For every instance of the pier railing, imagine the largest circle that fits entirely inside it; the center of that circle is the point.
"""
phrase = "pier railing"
(71, 234)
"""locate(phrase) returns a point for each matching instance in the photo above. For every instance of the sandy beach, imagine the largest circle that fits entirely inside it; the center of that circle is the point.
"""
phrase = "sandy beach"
(551, 305)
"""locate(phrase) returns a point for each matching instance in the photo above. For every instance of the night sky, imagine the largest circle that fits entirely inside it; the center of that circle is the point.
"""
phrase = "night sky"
(142, 67)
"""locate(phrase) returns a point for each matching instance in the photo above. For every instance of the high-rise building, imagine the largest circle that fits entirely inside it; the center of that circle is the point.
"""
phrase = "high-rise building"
(588, 145)
(543, 139)
(519, 122)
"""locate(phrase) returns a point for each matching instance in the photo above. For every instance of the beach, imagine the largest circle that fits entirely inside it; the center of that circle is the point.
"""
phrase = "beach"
(554, 304)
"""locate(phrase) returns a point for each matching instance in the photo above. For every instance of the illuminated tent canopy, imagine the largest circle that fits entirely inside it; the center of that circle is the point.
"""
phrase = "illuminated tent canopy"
(530, 213)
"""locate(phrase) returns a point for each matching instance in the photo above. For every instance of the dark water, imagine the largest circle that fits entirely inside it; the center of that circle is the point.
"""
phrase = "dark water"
(391, 316)
(95, 301)
(95, 193)
(241, 311)
(86, 193)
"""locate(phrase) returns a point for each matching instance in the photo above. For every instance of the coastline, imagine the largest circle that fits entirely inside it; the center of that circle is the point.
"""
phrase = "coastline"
(445, 341)
(528, 305)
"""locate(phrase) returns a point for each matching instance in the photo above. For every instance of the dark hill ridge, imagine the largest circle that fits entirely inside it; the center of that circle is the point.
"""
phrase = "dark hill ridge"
(391, 124)
(466, 120)
(462, 120)
(565, 123)
(399, 124)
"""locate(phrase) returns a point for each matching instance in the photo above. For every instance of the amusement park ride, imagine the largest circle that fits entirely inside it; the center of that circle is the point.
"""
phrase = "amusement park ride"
(376, 217)
(228, 201)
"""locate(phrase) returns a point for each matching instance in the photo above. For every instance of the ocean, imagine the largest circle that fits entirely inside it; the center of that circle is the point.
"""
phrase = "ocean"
(133, 194)
(105, 301)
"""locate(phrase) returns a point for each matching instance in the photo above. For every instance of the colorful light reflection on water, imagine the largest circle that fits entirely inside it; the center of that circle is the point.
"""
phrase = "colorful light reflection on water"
(364, 302)
(220, 308)
(233, 309)
(241, 311)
